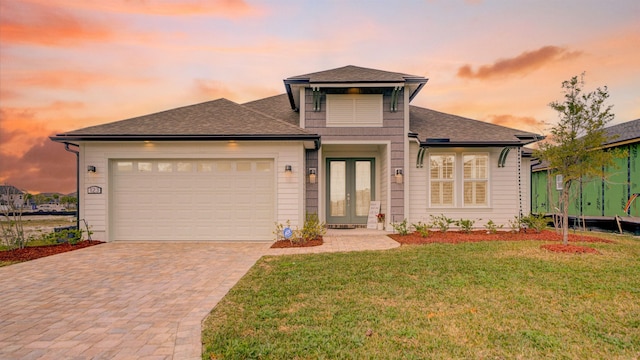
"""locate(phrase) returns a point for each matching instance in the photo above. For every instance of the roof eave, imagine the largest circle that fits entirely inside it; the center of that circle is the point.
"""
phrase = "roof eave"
(445, 144)
(106, 137)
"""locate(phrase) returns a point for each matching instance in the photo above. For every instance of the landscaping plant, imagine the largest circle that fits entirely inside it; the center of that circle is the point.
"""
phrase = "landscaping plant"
(536, 222)
(401, 227)
(442, 222)
(516, 224)
(421, 228)
(312, 228)
(466, 225)
(492, 227)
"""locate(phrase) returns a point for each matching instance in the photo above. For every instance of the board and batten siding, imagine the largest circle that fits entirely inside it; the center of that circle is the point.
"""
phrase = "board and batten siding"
(504, 197)
(94, 208)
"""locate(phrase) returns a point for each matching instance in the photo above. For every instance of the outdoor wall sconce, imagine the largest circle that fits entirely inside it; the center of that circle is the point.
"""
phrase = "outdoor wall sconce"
(312, 175)
(398, 176)
(287, 169)
(91, 169)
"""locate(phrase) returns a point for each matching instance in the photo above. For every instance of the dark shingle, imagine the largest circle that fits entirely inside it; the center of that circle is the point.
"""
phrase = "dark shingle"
(623, 132)
(354, 74)
(277, 107)
(217, 117)
(430, 124)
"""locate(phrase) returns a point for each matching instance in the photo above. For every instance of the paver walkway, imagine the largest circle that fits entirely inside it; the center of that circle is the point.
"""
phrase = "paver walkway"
(131, 300)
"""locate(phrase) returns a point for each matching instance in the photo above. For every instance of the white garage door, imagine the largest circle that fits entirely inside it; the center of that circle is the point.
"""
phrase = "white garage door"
(192, 199)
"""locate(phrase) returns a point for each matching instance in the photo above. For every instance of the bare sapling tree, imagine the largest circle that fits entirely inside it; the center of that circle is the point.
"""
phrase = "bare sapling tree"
(574, 149)
(11, 224)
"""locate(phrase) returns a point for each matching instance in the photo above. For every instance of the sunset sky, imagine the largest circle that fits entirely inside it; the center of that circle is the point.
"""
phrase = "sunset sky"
(68, 64)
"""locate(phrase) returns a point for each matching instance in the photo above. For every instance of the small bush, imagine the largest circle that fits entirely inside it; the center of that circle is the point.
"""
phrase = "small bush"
(516, 224)
(401, 228)
(441, 222)
(492, 227)
(466, 225)
(536, 222)
(421, 228)
(312, 228)
(71, 236)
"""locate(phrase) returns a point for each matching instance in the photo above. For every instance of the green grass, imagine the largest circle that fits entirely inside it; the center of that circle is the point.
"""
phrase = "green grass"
(438, 301)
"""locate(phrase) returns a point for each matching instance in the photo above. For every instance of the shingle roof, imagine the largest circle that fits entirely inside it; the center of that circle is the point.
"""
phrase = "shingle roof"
(350, 75)
(433, 127)
(277, 107)
(354, 74)
(220, 117)
(623, 132)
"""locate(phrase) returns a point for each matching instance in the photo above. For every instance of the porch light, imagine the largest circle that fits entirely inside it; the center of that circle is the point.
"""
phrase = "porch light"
(312, 175)
(287, 169)
(91, 169)
(398, 176)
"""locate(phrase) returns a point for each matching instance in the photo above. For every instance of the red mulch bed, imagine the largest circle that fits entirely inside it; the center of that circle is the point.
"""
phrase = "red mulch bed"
(570, 249)
(456, 237)
(35, 252)
(282, 244)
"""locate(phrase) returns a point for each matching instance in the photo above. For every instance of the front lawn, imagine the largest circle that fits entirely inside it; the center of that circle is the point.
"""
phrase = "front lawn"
(437, 301)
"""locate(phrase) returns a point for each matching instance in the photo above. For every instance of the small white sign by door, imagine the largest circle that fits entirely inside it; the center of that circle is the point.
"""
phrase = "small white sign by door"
(374, 210)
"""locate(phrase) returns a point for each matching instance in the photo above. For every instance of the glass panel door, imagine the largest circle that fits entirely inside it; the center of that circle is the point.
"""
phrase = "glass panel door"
(350, 188)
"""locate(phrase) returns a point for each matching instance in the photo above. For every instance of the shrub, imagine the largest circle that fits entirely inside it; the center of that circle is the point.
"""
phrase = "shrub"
(312, 228)
(71, 236)
(442, 222)
(466, 225)
(536, 222)
(401, 227)
(421, 228)
(492, 227)
(516, 224)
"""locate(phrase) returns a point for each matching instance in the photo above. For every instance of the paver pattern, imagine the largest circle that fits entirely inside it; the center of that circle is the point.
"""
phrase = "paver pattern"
(132, 300)
(117, 301)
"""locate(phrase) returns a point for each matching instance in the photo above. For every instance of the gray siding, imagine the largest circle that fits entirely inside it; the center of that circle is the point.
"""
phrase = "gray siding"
(311, 160)
(392, 130)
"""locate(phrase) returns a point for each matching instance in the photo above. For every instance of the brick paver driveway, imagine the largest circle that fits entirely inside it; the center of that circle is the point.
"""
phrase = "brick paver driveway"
(117, 301)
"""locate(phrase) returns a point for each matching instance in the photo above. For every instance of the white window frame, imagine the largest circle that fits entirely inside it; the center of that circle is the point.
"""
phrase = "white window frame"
(354, 110)
(484, 180)
(442, 180)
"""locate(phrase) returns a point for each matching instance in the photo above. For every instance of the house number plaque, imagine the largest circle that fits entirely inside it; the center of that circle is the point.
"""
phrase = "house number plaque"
(94, 190)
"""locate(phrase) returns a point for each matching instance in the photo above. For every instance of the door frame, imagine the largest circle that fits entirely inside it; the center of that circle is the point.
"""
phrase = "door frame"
(350, 183)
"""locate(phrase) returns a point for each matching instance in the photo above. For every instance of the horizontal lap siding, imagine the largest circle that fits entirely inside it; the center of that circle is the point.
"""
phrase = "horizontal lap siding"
(503, 189)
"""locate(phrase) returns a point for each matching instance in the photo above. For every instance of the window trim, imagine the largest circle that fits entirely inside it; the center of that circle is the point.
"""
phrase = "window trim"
(459, 180)
(452, 180)
(476, 180)
(367, 121)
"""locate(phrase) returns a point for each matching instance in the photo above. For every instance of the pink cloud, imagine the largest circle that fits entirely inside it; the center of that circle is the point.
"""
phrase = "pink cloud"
(41, 24)
(45, 166)
(521, 64)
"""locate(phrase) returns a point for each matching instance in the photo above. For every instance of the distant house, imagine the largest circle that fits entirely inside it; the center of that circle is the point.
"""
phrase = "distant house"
(612, 195)
(12, 196)
(332, 143)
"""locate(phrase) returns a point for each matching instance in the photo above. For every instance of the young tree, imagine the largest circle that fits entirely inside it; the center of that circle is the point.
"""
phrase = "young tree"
(575, 147)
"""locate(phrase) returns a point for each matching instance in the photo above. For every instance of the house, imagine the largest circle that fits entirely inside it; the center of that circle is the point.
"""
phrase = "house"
(598, 200)
(333, 142)
(12, 197)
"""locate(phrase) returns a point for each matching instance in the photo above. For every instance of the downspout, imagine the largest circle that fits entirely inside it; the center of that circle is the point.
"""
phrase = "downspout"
(66, 147)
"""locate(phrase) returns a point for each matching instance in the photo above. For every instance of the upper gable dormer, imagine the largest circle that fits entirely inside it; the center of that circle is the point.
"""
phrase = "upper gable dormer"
(351, 96)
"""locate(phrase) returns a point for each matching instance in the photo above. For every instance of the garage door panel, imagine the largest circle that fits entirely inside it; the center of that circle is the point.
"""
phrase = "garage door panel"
(193, 199)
